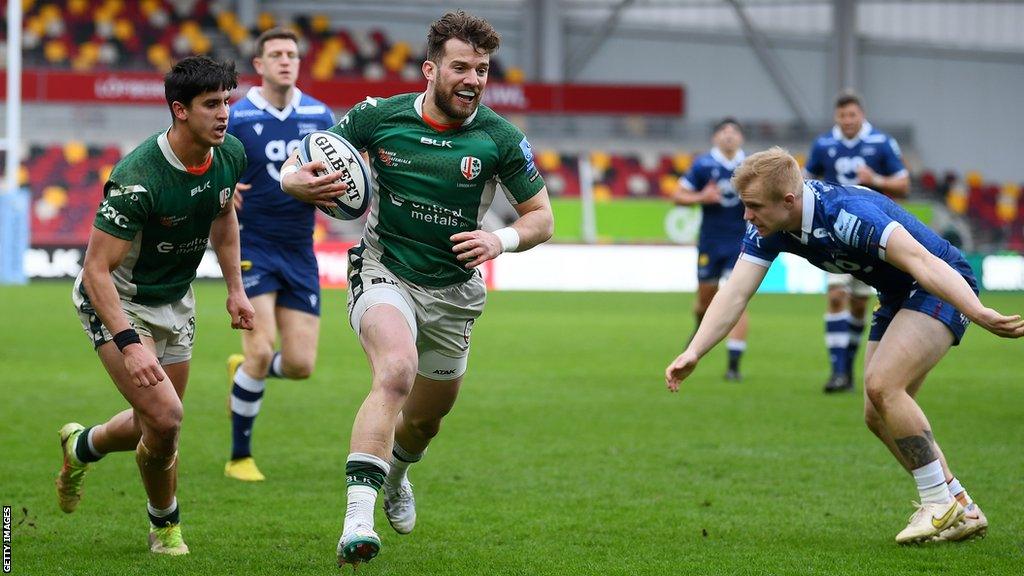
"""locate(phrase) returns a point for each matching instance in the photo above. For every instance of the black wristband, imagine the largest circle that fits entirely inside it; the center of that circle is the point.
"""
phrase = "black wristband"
(126, 337)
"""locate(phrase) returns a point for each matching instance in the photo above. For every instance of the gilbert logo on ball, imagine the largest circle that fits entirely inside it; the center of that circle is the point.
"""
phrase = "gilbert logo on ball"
(342, 159)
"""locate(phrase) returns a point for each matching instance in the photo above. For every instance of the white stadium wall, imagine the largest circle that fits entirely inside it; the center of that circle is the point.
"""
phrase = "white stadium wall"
(963, 107)
(564, 267)
(965, 114)
(721, 79)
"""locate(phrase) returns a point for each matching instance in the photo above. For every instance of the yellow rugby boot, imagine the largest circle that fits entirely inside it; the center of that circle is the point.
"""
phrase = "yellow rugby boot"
(72, 472)
(167, 540)
(243, 469)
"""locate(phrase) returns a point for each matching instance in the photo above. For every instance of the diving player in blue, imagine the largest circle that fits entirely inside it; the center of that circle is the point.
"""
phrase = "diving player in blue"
(279, 269)
(927, 296)
(853, 153)
(708, 184)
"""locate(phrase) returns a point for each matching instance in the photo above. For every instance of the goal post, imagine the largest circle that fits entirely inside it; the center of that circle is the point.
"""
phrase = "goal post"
(14, 201)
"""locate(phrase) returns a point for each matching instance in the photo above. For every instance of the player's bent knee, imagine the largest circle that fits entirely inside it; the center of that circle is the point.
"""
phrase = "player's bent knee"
(163, 425)
(395, 376)
(877, 391)
(258, 355)
(297, 370)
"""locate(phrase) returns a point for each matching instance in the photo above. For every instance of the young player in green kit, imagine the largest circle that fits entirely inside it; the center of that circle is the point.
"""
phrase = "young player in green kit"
(414, 291)
(134, 296)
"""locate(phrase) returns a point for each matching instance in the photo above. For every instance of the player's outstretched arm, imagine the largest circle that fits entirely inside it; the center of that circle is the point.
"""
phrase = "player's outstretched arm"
(224, 237)
(104, 255)
(302, 183)
(939, 278)
(723, 313)
(534, 226)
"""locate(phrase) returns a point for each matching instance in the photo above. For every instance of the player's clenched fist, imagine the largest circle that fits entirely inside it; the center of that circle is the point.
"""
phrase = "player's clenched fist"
(476, 247)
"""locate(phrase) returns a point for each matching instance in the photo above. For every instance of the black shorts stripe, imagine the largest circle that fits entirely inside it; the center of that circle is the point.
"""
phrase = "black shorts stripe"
(355, 268)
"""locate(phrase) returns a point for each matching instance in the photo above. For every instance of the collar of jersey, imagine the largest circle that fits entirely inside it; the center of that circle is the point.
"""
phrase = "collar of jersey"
(172, 159)
(807, 218)
(418, 105)
(725, 162)
(865, 129)
(257, 99)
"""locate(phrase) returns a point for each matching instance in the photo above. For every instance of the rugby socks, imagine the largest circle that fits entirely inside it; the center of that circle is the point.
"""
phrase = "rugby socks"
(959, 492)
(401, 459)
(364, 475)
(85, 450)
(246, 397)
(274, 370)
(837, 340)
(166, 517)
(736, 349)
(931, 483)
(856, 332)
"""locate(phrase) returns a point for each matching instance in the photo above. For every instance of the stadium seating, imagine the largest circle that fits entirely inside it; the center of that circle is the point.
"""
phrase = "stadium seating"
(66, 185)
(100, 35)
(614, 175)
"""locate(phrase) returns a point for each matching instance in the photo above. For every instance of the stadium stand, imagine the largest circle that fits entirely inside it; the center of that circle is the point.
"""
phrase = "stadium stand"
(149, 35)
(66, 184)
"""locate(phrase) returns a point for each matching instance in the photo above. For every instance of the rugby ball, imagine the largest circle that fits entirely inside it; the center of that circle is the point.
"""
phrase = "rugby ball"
(341, 158)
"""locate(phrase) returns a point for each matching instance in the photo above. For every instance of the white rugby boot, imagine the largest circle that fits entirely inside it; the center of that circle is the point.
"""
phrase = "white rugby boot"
(929, 520)
(975, 525)
(400, 506)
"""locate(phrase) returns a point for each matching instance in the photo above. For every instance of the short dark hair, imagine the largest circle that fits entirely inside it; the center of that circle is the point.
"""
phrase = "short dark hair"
(847, 97)
(474, 31)
(274, 34)
(195, 75)
(727, 121)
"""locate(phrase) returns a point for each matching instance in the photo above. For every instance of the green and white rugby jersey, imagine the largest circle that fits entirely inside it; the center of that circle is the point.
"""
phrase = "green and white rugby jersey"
(152, 200)
(430, 184)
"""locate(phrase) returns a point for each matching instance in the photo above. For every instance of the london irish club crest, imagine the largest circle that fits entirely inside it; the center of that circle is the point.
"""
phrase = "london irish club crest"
(470, 167)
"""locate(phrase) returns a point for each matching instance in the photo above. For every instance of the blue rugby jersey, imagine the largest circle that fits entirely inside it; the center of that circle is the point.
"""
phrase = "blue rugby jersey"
(833, 158)
(722, 222)
(270, 136)
(845, 230)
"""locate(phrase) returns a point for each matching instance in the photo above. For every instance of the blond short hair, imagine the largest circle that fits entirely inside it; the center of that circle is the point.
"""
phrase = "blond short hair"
(774, 171)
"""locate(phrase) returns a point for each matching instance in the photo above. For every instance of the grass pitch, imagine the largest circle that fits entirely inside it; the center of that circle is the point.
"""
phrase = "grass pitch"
(565, 454)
